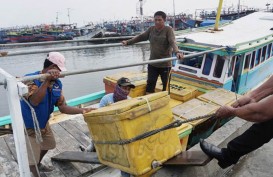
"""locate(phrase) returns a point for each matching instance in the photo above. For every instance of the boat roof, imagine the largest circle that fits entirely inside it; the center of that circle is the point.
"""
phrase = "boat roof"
(254, 26)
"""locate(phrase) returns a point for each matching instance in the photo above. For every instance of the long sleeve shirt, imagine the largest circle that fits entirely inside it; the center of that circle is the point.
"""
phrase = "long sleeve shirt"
(162, 44)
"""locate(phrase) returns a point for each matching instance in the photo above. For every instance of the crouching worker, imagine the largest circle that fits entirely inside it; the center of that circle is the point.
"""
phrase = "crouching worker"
(121, 92)
(43, 95)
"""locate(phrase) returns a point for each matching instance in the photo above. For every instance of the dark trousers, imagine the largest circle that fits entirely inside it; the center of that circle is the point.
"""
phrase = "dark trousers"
(253, 138)
(153, 73)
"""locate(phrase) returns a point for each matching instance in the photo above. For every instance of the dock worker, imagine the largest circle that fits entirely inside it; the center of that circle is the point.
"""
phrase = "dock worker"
(252, 107)
(162, 44)
(43, 95)
(121, 92)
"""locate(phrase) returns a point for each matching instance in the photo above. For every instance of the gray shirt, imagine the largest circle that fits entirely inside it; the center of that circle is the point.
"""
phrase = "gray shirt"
(162, 44)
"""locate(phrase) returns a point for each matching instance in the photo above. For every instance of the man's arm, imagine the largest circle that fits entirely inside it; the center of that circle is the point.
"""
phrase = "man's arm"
(172, 42)
(36, 95)
(64, 108)
(254, 112)
(142, 37)
(256, 95)
(263, 91)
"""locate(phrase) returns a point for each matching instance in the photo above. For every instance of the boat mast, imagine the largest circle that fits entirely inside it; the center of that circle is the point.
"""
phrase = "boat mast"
(173, 15)
(68, 15)
(238, 16)
(218, 15)
(141, 15)
(57, 17)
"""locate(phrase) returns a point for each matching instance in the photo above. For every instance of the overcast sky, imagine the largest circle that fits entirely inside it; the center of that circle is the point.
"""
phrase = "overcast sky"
(34, 12)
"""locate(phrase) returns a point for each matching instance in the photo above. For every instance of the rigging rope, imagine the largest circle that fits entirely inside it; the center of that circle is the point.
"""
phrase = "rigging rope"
(37, 130)
(174, 124)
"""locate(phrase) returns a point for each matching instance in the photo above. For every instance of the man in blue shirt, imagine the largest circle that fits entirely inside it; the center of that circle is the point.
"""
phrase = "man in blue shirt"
(42, 97)
(121, 92)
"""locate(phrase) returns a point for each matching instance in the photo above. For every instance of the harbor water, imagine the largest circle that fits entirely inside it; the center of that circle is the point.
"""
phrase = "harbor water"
(76, 85)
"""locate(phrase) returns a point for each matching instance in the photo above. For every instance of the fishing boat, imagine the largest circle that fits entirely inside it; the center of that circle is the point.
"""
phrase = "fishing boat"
(218, 65)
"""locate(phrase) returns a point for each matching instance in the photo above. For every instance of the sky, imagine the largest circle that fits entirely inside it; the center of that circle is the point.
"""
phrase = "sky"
(35, 12)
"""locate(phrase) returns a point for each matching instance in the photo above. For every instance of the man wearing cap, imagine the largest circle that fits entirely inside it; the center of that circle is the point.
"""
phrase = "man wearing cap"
(42, 97)
(121, 92)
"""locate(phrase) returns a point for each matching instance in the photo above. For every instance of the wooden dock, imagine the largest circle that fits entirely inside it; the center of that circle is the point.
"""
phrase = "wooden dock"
(69, 135)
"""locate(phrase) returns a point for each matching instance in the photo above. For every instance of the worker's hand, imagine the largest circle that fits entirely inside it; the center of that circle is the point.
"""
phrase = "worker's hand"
(124, 43)
(180, 55)
(225, 111)
(86, 110)
(243, 101)
(54, 74)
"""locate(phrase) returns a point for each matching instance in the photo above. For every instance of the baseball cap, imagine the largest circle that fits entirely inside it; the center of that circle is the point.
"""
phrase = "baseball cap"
(58, 59)
(125, 82)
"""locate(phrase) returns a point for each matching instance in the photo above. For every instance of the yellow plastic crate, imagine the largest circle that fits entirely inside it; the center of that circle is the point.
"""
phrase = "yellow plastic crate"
(174, 102)
(194, 108)
(179, 91)
(127, 119)
(219, 96)
(139, 79)
(196, 82)
(183, 132)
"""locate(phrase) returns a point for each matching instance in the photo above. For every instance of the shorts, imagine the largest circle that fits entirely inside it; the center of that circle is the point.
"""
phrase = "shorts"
(47, 144)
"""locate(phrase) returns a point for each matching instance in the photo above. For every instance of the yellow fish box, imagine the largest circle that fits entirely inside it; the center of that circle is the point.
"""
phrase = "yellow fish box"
(194, 108)
(179, 91)
(127, 119)
(219, 97)
(139, 79)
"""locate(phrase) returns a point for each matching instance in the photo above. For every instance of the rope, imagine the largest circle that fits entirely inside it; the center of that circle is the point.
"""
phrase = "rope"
(32, 153)
(174, 124)
(37, 130)
(148, 103)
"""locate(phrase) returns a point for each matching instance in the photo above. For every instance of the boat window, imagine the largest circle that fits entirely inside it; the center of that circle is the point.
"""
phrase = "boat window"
(263, 54)
(247, 60)
(195, 62)
(218, 67)
(258, 55)
(268, 51)
(207, 64)
(231, 66)
(252, 59)
(272, 51)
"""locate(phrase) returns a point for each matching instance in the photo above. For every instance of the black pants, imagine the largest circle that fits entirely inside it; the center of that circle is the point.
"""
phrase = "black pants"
(253, 138)
(153, 73)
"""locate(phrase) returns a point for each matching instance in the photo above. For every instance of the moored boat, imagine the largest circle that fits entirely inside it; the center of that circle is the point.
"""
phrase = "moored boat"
(234, 68)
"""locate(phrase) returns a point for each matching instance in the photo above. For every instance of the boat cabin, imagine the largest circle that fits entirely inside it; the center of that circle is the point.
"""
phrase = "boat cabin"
(242, 65)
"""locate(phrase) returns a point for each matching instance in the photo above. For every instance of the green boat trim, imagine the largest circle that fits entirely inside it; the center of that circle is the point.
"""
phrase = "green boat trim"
(73, 102)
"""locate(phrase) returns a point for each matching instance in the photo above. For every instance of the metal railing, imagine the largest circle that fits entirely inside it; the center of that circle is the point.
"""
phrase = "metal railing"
(66, 41)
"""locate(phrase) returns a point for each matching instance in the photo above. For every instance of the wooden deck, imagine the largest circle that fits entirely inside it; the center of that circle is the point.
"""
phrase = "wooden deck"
(69, 135)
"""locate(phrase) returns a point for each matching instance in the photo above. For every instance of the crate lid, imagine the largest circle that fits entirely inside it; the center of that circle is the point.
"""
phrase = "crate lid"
(137, 78)
(125, 105)
(219, 96)
(194, 108)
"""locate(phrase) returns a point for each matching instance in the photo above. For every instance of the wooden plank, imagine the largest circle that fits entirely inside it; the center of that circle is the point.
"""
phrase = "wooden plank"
(79, 123)
(46, 160)
(59, 169)
(81, 138)
(8, 166)
(66, 142)
(77, 156)
(11, 145)
(192, 158)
